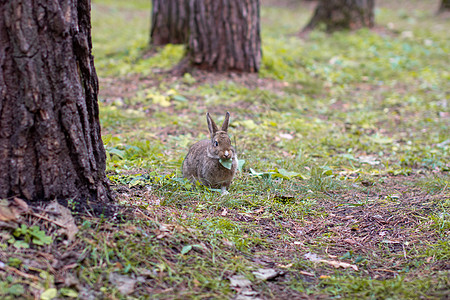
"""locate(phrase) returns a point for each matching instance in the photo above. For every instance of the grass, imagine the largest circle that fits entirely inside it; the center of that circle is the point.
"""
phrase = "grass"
(345, 142)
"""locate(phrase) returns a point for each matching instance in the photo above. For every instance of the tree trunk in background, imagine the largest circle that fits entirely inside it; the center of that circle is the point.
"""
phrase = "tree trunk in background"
(50, 143)
(169, 22)
(445, 6)
(343, 14)
(224, 35)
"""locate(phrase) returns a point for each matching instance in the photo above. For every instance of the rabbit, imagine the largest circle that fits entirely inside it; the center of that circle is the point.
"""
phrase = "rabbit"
(203, 159)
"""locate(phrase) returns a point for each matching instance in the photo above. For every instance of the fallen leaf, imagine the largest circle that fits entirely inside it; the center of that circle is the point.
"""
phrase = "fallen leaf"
(239, 281)
(146, 272)
(263, 174)
(7, 214)
(290, 174)
(247, 294)
(306, 273)
(49, 294)
(164, 230)
(186, 249)
(369, 159)
(312, 256)
(162, 235)
(124, 284)
(166, 227)
(338, 264)
(63, 215)
(286, 136)
(71, 293)
(334, 263)
(21, 204)
(241, 163)
(10, 211)
(285, 266)
(266, 274)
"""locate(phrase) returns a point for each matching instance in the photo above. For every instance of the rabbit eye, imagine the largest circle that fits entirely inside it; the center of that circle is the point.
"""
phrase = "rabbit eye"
(216, 143)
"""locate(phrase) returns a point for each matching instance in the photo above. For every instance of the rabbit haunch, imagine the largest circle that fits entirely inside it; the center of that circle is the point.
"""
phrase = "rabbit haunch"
(202, 162)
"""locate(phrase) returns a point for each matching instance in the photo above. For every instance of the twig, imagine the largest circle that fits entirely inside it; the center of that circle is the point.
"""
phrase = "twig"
(445, 187)
(142, 213)
(20, 273)
(49, 220)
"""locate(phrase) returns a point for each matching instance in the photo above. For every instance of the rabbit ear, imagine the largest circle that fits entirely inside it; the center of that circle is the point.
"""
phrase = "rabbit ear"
(226, 122)
(211, 125)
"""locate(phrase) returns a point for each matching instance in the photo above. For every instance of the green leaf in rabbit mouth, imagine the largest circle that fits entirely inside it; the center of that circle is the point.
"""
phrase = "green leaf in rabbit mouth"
(227, 163)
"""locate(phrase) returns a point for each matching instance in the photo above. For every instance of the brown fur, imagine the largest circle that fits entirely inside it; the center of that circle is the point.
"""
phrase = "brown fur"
(202, 161)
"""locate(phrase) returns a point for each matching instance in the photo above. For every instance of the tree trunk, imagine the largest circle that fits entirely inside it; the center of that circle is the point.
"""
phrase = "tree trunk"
(50, 143)
(342, 14)
(224, 35)
(445, 6)
(169, 22)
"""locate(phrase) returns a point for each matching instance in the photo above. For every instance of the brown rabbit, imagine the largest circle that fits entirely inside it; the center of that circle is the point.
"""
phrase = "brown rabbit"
(202, 161)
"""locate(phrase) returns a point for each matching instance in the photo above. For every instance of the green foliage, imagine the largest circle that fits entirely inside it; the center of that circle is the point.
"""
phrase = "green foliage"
(25, 235)
(435, 184)
(440, 251)
(227, 163)
(10, 290)
(396, 288)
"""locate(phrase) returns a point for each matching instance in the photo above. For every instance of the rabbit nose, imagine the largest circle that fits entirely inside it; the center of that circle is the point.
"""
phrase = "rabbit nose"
(226, 154)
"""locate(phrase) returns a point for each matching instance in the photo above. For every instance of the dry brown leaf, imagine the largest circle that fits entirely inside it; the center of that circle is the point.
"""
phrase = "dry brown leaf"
(125, 284)
(62, 215)
(21, 204)
(285, 266)
(10, 211)
(166, 227)
(162, 235)
(306, 273)
(7, 213)
(338, 264)
(239, 281)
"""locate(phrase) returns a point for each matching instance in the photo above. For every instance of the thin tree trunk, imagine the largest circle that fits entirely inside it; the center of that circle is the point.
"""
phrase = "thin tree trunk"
(224, 35)
(169, 22)
(50, 143)
(342, 14)
(445, 6)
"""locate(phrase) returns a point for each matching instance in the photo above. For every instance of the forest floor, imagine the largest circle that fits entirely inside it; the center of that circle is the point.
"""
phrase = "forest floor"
(344, 192)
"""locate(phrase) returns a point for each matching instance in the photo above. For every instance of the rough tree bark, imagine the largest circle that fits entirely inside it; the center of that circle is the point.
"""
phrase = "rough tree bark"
(445, 6)
(224, 35)
(342, 14)
(169, 22)
(50, 143)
